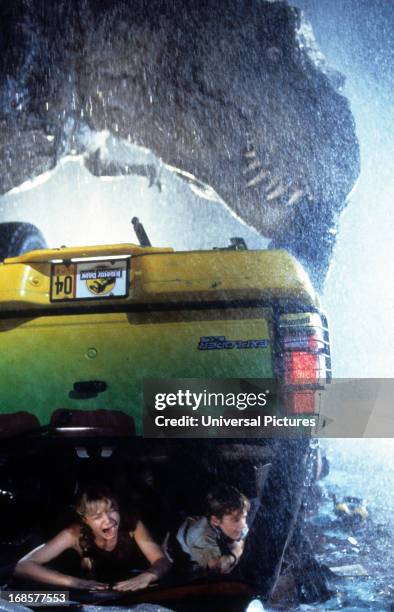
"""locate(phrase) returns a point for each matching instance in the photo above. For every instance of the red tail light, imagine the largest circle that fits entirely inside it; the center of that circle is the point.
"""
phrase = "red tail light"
(300, 402)
(300, 368)
(304, 360)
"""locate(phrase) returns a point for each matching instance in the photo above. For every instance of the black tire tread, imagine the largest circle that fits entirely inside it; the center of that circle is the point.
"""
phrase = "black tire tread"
(17, 238)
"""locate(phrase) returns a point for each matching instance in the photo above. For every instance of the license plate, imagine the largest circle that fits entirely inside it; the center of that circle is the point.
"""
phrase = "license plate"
(90, 280)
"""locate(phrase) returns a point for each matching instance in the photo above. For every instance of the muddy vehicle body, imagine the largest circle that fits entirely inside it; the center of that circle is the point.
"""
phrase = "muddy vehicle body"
(81, 330)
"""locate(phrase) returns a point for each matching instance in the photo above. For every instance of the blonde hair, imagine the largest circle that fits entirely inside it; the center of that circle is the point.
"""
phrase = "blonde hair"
(91, 496)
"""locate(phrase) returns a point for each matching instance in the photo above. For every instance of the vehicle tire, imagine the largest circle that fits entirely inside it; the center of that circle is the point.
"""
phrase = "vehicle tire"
(19, 238)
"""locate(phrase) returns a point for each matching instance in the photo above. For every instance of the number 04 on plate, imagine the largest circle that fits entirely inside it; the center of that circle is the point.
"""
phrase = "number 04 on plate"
(90, 280)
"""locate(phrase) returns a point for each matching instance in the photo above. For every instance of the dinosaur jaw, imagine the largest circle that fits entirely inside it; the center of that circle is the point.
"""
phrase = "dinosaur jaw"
(277, 196)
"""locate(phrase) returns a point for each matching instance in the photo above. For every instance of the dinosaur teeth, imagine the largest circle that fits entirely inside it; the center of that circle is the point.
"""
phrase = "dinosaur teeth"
(297, 195)
(276, 188)
(258, 178)
(274, 183)
(280, 190)
(253, 165)
(250, 154)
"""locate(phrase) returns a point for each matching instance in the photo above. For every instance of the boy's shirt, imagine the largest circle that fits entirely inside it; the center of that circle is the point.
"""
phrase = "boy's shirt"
(202, 541)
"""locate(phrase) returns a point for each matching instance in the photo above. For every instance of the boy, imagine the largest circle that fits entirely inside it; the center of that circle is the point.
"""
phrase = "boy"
(216, 541)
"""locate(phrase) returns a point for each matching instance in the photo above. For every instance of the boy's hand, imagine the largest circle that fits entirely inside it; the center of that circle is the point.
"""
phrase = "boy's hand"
(226, 563)
(237, 548)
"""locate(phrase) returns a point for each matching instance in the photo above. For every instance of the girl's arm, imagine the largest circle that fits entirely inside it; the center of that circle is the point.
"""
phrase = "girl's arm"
(32, 565)
(159, 564)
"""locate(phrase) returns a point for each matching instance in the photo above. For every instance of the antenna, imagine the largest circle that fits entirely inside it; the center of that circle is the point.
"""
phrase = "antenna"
(140, 232)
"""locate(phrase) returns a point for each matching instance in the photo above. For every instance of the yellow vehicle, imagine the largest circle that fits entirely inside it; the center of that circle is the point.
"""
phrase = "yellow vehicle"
(85, 326)
(81, 329)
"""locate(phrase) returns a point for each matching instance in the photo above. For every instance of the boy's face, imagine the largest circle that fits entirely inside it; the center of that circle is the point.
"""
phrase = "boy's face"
(232, 524)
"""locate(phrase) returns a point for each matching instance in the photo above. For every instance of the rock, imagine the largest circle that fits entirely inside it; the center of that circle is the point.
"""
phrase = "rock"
(349, 570)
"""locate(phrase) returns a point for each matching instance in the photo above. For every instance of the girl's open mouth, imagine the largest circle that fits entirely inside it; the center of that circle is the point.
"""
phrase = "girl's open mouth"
(111, 531)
